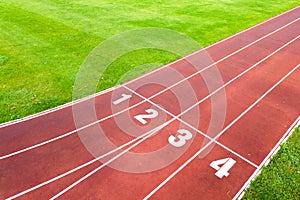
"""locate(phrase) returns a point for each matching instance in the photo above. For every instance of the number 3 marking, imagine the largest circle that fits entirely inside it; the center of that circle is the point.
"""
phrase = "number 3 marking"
(226, 163)
(151, 114)
(181, 139)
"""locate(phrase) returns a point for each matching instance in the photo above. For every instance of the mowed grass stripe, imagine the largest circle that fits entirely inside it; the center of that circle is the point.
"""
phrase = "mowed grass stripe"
(32, 32)
(18, 45)
(61, 36)
(104, 22)
(205, 21)
(44, 56)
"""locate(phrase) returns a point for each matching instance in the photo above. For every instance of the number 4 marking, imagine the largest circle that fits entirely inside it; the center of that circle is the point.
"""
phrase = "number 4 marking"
(226, 163)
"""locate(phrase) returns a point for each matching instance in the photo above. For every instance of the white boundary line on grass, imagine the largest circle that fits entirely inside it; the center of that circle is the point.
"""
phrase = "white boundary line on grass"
(110, 89)
(107, 117)
(146, 134)
(239, 195)
(241, 74)
(225, 129)
(51, 110)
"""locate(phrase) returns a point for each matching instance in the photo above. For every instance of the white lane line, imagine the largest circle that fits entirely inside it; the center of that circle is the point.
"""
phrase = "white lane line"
(225, 129)
(220, 144)
(178, 170)
(51, 110)
(256, 102)
(72, 132)
(105, 91)
(224, 58)
(241, 74)
(68, 133)
(210, 46)
(215, 138)
(176, 117)
(151, 132)
(195, 129)
(287, 134)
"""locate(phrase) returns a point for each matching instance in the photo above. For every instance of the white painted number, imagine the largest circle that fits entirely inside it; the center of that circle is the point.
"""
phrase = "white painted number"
(181, 139)
(123, 98)
(226, 163)
(151, 114)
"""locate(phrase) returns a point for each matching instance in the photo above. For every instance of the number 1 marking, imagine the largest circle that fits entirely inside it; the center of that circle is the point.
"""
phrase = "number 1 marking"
(222, 171)
(151, 114)
(123, 98)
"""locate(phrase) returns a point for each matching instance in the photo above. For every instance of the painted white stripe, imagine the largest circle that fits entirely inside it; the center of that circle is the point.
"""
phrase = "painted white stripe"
(195, 129)
(256, 102)
(241, 74)
(287, 134)
(177, 170)
(151, 132)
(67, 134)
(210, 46)
(75, 131)
(51, 110)
(224, 58)
(105, 91)
(222, 145)
(211, 94)
(94, 171)
(126, 144)
(225, 129)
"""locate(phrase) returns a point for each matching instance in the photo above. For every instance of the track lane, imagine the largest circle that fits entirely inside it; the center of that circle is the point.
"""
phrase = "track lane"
(195, 169)
(113, 172)
(141, 187)
(228, 69)
(35, 131)
(137, 151)
(86, 106)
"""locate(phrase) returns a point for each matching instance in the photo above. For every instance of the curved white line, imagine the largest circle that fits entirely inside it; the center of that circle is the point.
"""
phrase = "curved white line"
(214, 139)
(225, 129)
(101, 92)
(207, 67)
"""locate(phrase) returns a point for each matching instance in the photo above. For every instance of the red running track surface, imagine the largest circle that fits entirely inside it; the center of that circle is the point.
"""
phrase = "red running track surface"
(214, 123)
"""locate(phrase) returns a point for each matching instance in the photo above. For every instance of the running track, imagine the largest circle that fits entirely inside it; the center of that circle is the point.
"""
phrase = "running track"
(54, 154)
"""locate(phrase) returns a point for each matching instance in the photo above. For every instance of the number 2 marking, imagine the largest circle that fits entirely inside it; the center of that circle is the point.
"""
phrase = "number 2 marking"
(123, 98)
(181, 139)
(222, 171)
(151, 114)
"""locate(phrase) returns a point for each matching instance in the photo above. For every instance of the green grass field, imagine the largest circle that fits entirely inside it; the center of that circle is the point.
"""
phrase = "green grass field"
(281, 178)
(43, 44)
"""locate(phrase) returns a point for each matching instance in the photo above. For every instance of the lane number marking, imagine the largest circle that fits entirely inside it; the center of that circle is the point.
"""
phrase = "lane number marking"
(227, 164)
(123, 98)
(180, 140)
(151, 114)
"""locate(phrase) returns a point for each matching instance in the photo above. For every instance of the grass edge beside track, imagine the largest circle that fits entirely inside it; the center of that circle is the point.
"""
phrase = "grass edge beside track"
(280, 179)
